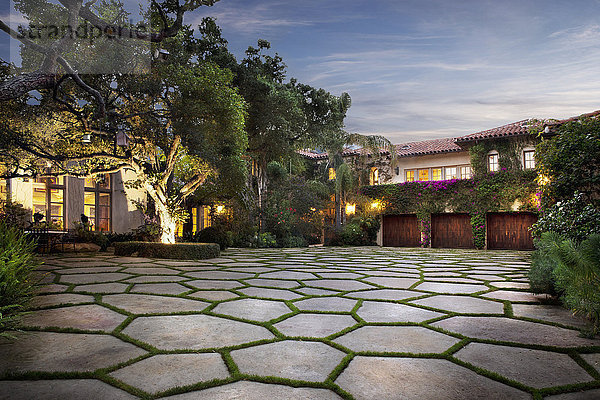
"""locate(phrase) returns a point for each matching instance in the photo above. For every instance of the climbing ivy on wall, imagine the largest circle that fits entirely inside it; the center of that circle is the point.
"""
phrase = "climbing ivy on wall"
(505, 190)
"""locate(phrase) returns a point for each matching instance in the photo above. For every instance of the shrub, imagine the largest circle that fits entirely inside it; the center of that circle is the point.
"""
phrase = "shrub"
(574, 219)
(180, 251)
(361, 231)
(150, 231)
(294, 241)
(17, 262)
(578, 275)
(14, 214)
(541, 274)
(266, 239)
(212, 234)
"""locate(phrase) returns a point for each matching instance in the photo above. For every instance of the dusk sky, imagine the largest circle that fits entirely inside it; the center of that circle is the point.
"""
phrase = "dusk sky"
(422, 69)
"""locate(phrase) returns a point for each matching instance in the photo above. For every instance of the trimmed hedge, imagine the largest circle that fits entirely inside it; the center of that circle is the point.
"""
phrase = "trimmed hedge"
(179, 251)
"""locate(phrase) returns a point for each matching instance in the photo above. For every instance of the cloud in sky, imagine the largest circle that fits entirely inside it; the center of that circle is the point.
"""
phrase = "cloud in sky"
(420, 69)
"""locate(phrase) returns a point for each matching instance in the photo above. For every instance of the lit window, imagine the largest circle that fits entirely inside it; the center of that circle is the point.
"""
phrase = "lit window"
(528, 159)
(206, 217)
(179, 230)
(3, 190)
(254, 168)
(48, 200)
(493, 162)
(194, 220)
(436, 174)
(331, 174)
(451, 173)
(423, 174)
(465, 172)
(410, 176)
(374, 176)
(97, 200)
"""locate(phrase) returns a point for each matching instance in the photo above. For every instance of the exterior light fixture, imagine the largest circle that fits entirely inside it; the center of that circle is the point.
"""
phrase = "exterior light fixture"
(350, 209)
(375, 205)
(122, 138)
(313, 209)
(219, 209)
(87, 138)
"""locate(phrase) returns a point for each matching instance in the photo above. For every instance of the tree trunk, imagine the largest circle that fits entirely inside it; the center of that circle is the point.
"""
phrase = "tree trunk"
(262, 194)
(167, 222)
(168, 225)
(338, 212)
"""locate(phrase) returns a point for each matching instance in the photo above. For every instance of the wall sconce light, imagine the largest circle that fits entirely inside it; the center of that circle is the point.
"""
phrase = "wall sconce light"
(375, 205)
(87, 138)
(122, 138)
(350, 209)
(219, 209)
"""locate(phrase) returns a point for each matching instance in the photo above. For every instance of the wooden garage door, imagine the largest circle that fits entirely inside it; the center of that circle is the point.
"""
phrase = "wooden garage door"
(451, 231)
(510, 231)
(401, 231)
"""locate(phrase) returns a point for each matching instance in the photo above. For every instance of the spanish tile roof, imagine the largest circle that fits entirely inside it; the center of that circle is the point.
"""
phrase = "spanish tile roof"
(425, 147)
(514, 129)
(564, 121)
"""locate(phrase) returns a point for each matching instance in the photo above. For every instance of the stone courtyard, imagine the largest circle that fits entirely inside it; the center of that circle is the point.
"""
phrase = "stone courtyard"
(317, 323)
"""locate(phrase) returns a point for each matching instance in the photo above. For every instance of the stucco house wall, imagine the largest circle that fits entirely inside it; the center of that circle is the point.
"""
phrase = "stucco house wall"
(427, 161)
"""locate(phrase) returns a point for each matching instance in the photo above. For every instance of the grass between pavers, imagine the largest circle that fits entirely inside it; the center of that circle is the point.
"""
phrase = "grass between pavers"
(328, 340)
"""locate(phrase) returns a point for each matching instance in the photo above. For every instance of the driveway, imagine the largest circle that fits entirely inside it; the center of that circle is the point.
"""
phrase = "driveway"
(318, 323)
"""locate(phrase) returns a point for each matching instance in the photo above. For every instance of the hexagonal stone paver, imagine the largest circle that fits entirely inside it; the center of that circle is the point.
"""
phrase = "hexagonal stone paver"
(156, 279)
(213, 295)
(214, 284)
(61, 298)
(550, 313)
(113, 287)
(593, 359)
(395, 283)
(512, 296)
(151, 271)
(338, 284)
(593, 394)
(534, 368)
(411, 378)
(159, 288)
(288, 275)
(272, 283)
(148, 304)
(220, 275)
(270, 293)
(51, 288)
(462, 304)
(450, 288)
(194, 332)
(512, 330)
(253, 309)
(53, 352)
(374, 311)
(511, 285)
(89, 270)
(165, 371)
(62, 389)
(314, 325)
(245, 390)
(326, 304)
(307, 361)
(384, 294)
(93, 278)
(316, 292)
(399, 339)
(87, 317)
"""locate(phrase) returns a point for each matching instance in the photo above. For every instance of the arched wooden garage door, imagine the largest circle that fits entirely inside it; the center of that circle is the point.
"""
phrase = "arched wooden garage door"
(510, 231)
(451, 231)
(401, 231)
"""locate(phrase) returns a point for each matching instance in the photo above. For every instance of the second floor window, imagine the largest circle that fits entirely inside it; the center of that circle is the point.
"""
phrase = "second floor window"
(424, 174)
(410, 176)
(465, 172)
(451, 173)
(493, 165)
(528, 159)
(374, 176)
(436, 174)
